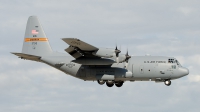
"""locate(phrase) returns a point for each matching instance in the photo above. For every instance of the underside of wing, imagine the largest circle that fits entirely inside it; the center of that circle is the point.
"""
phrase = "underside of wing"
(78, 53)
(87, 54)
(80, 49)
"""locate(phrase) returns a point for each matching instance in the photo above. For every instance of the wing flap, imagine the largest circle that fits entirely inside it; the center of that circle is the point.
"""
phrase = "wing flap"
(79, 49)
(73, 52)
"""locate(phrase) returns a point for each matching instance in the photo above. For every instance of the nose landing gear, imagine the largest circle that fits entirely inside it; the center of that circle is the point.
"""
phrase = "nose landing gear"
(167, 82)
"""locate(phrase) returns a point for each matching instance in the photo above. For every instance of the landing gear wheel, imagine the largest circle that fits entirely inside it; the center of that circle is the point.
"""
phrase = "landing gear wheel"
(119, 84)
(109, 84)
(101, 82)
(167, 82)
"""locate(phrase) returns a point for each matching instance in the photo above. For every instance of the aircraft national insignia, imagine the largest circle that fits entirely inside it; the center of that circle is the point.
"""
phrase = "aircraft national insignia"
(34, 32)
(70, 65)
(75, 43)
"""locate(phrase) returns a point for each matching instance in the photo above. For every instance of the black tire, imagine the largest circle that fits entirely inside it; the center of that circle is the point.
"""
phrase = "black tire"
(119, 84)
(167, 82)
(109, 85)
(101, 83)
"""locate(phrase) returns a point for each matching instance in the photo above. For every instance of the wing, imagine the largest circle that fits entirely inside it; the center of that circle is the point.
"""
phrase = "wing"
(79, 49)
(80, 44)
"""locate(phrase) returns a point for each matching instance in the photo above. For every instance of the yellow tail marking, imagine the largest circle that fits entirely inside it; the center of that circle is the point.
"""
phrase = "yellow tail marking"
(35, 39)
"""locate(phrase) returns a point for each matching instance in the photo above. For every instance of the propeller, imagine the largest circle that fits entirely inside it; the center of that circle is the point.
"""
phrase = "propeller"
(117, 51)
(127, 58)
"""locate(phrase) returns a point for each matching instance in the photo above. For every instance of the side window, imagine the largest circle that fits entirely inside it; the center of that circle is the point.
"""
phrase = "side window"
(173, 66)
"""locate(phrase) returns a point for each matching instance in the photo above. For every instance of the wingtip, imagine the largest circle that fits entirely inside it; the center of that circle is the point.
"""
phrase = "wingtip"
(12, 52)
(33, 16)
(64, 38)
(69, 38)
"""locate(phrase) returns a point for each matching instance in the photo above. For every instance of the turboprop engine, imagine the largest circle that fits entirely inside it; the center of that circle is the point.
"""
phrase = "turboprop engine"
(104, 52)
(112, 53)
(109, 53)
(121, 58)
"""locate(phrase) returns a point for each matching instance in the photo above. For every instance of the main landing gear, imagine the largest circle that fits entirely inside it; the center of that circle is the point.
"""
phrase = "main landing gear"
(167, 82)
(110, 83)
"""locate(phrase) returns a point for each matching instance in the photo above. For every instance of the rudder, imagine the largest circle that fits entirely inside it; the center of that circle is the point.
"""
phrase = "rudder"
(35, 40)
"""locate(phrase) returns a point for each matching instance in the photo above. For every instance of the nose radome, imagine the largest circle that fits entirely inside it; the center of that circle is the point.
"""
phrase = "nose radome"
(185, 71)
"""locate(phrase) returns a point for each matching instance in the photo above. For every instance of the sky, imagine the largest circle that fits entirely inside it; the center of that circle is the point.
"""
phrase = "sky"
(159, 28)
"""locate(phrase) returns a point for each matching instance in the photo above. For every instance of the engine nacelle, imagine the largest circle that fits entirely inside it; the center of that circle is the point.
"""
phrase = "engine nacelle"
(104, 52)
(122, 58)
(111, 53)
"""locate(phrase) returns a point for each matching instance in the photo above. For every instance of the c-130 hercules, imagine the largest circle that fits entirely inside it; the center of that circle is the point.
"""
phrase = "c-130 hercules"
(103, 65)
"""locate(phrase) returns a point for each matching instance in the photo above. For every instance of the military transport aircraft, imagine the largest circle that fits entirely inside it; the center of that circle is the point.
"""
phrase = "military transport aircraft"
(103, 65)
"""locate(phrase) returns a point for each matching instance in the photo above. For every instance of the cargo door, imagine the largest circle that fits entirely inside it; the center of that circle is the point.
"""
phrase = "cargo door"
(83, 72)
(88, 73)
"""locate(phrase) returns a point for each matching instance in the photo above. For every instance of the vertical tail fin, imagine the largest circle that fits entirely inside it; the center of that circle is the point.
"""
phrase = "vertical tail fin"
(35, 40)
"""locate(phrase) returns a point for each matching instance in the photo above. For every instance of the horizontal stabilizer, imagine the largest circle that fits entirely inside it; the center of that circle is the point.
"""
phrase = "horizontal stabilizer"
(80, 44)
(27, 56)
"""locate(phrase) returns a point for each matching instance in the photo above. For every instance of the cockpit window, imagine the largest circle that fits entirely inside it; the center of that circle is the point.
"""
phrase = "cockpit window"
(176, 61)
(170, 60)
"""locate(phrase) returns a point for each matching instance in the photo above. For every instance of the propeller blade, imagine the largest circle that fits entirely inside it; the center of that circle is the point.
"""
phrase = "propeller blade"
(117, 51)
(127, 52)
(127, 56)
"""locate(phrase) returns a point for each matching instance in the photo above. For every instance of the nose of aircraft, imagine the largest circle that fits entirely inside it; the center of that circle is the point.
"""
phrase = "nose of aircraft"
(184, 71)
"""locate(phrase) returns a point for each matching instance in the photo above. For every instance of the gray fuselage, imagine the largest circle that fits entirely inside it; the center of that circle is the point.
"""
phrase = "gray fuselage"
(139, 68)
